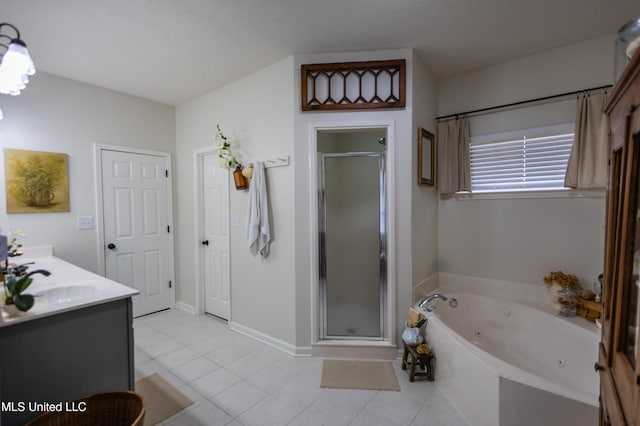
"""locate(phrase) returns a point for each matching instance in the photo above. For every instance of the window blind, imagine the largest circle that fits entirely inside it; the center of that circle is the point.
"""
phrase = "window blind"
(520, 163)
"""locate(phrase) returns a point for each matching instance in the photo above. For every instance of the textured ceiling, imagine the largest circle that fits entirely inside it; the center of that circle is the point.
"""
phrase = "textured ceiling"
(172, 51)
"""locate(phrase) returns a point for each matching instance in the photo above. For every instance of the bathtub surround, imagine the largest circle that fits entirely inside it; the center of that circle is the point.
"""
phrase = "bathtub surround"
(542, 408)
(533, 295)
(499, 360)
(423, 288)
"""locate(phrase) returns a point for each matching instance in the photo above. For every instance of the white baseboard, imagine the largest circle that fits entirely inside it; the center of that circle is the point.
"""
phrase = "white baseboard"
(186, 307)
(257, 335)
(269, 340)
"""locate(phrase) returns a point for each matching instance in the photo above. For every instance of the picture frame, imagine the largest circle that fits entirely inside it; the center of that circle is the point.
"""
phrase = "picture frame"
(36, 181)
(426, 158)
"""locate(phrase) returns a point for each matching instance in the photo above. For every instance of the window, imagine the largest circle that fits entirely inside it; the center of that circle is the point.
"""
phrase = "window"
(531, 159)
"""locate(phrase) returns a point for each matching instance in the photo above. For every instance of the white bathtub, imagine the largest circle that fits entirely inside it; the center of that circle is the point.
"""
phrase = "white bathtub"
(504, 363)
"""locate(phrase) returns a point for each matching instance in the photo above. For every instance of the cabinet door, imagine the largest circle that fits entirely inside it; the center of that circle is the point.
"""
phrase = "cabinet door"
(619, 361)
(612, 254)
(611, 411)
(626, 280)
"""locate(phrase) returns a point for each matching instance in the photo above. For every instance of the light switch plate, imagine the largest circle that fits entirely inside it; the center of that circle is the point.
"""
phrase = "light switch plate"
(235, 221)
(84, 222)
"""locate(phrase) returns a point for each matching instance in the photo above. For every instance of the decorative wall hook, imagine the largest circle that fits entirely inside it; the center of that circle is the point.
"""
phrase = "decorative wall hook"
(279, 161)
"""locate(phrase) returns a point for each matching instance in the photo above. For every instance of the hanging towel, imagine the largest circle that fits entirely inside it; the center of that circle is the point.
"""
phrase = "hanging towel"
(258, 213)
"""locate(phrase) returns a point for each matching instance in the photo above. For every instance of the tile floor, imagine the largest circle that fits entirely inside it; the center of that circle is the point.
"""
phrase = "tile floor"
(235, 380)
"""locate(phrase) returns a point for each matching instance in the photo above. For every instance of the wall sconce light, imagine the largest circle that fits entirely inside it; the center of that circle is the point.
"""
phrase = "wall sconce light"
(16, 65)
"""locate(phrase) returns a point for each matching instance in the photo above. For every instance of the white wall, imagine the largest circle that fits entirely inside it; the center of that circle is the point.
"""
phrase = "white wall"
(256, 114)
(523, 239)
(60, 115)
(424, 199)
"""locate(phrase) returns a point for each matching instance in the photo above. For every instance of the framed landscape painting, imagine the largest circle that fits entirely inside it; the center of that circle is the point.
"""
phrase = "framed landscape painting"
(36, 181)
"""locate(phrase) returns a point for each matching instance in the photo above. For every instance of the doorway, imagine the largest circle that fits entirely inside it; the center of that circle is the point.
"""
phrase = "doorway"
(352, 224)
(137, 231)
(212, 230)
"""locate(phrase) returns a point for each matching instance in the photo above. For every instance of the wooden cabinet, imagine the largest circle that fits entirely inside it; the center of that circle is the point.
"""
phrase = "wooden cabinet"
(619, 357)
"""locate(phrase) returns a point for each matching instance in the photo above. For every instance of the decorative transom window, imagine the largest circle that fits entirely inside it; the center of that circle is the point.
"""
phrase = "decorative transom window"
(353, 85)
(531, 159)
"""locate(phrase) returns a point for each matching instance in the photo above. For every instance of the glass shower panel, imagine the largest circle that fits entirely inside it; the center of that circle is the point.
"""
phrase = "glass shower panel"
(352, 245)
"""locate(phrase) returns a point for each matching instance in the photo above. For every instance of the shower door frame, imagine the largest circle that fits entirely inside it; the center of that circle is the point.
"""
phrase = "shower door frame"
(314, 235)
(382, 240)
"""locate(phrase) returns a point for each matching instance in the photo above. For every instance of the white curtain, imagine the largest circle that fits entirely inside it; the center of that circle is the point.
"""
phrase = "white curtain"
(454, 172)
(587, 166)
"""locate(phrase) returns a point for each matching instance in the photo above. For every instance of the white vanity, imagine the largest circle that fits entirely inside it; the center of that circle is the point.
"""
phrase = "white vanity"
(77, 339)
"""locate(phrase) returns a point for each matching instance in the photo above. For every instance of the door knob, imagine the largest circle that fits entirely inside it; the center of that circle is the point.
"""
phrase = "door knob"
(111, 246)
(598, 367)
(205, 243)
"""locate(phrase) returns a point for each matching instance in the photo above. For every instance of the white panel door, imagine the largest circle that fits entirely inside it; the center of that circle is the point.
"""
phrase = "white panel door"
(137, 232)
(215, 245)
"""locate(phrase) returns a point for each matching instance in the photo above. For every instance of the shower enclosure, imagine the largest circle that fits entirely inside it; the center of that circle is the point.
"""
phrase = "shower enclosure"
(352, 243)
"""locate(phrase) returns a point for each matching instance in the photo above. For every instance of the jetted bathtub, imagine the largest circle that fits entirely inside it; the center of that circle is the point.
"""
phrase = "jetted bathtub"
(505, 363)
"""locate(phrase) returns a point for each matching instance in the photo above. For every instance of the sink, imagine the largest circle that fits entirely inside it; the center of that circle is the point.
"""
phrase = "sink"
(65, 294)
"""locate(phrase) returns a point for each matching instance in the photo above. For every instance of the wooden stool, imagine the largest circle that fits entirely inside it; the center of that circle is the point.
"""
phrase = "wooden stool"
(423, 360)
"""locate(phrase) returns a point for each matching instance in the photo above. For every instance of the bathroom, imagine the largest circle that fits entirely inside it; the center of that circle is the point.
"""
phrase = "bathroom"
(513, 239)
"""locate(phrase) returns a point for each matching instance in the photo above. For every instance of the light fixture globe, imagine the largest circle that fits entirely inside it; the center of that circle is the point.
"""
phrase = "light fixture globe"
(18, 55)
(16, 64)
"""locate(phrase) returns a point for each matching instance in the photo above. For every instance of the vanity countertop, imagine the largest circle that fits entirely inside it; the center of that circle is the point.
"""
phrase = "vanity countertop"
(68, 288)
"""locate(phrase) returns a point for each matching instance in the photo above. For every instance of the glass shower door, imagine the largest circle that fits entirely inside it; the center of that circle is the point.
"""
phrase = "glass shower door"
(353, 258)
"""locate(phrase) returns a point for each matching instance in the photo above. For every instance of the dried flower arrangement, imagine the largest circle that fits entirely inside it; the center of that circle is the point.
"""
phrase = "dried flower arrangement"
(562, 279)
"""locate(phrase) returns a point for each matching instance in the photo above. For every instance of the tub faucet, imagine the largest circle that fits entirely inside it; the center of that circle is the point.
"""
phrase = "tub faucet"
(426, 302)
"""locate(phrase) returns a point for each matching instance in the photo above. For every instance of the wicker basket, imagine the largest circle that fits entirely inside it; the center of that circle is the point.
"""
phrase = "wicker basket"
(108, 408)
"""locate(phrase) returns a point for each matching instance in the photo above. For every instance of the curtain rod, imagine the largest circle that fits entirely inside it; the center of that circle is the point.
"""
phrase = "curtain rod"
(475, 111)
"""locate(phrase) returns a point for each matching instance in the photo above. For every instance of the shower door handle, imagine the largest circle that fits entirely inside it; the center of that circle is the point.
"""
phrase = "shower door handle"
(323, 254)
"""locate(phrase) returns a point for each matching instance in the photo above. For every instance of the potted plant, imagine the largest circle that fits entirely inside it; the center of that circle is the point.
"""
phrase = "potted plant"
(13, 246)
(14, 292)
(229, 160)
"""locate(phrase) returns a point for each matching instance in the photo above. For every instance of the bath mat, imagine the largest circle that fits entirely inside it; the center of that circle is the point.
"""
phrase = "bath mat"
(162, 399)
(346, 374)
